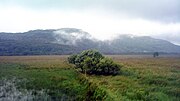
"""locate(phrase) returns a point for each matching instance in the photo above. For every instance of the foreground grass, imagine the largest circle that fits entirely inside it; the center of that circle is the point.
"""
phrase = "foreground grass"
(144, 79)
(59, 80)
(141, 79)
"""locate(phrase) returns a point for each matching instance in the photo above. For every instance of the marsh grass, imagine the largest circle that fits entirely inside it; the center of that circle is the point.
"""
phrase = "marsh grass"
(10, 92)
(142, 79)
(55, 77)
(146, 79)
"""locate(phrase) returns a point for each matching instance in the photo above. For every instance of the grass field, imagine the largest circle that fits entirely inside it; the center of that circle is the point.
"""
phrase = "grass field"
(143, 78)
(50, 74)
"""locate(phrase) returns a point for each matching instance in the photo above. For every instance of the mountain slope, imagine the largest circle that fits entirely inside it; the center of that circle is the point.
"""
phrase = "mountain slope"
(144, 44)
(71, 40)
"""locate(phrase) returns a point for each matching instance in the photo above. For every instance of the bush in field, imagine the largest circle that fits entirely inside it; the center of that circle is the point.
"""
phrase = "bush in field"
(107, 66)
(72, 58)
(93, 62)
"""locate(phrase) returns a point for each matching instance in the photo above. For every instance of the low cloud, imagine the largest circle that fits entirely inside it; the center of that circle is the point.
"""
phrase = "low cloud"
(103, 19)
(172, 37)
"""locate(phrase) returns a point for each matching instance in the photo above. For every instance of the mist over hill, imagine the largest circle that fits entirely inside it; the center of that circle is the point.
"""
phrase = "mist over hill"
(72, 40)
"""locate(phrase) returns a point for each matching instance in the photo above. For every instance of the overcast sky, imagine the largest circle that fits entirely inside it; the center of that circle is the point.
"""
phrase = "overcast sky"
(103, 19)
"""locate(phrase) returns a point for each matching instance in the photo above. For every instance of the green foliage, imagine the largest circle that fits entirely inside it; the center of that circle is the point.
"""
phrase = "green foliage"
(72, 58)
(107, 66)
(157, 96)
(93, 62)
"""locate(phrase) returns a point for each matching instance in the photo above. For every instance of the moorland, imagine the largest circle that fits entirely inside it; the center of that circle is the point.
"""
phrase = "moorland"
(51, 77)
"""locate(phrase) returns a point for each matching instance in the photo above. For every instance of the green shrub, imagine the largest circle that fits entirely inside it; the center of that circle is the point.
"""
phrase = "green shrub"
(107, 66)
(93, 62)
(72, 58)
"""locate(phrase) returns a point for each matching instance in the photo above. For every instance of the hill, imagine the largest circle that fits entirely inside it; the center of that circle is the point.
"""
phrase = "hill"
(72, 40)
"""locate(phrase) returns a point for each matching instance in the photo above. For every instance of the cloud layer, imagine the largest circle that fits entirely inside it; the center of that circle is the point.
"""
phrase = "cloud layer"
(104, 19)
(164, 10)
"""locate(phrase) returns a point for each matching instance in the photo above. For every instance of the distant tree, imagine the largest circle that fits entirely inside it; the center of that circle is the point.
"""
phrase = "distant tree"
(93, 62)
(155, 54)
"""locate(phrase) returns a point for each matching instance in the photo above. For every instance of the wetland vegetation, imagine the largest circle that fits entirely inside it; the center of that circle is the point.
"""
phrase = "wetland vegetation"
(142, 78)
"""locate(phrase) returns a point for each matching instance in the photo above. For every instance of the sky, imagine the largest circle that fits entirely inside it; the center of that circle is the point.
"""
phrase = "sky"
(103, 19)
